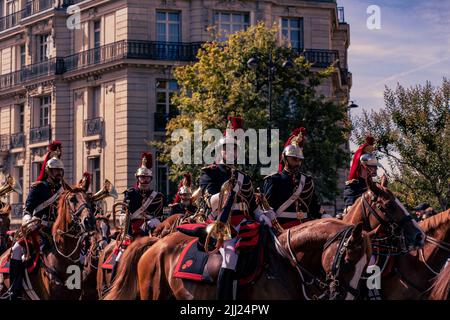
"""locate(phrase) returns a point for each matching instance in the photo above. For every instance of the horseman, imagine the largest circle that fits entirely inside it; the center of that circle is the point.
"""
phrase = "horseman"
(243, 209)
(364, 165)
(145, 205)
(183, 199)
(41, 204)
(289, 192)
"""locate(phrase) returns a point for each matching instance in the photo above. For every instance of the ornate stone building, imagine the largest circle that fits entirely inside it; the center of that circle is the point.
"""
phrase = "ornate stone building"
(97, 74)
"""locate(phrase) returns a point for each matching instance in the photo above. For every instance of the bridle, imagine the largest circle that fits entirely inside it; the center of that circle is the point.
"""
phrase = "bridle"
(386, 220)
(77, 229)
(331, 286)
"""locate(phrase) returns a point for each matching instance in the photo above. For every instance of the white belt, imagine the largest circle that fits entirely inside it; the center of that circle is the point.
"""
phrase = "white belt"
(239, 206)
(293, 215)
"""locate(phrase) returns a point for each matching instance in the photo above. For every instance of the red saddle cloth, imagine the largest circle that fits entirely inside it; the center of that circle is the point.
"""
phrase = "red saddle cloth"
(193, 259)
(111, 260)
(33, 244)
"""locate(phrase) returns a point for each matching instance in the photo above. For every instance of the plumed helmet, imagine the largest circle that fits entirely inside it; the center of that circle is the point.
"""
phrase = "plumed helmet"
(234, 123)
(369, 159)
(294, 144)
(54, 163)
(146, 165)
(366, 148)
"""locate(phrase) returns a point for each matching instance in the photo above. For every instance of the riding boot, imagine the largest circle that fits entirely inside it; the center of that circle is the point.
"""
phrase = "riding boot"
(225, 282)
(16, 275)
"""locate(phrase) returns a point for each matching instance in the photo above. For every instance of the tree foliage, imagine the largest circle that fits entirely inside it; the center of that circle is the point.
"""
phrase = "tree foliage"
(413, 134)
(221, 83)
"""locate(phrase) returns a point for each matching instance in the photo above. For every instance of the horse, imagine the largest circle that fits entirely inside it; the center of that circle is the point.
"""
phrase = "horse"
(411, 276)
(340, 250)
(441, 286)
(73, 224)
(98, 243)
(5, 223)
(380, 211)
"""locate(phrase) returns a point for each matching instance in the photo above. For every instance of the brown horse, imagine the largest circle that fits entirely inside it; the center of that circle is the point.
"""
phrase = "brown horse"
(441, 286)
(378, 209)
(411, 275)
(148, 265)
(5, 223)
(73, 224)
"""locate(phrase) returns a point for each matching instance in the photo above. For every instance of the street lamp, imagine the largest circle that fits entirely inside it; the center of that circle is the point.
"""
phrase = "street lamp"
(253, 62)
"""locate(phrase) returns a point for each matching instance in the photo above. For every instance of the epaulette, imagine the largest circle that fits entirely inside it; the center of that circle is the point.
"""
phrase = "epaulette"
(131, 189)
(36, 183)
(348, 182)
(211, 166)
(271, 175)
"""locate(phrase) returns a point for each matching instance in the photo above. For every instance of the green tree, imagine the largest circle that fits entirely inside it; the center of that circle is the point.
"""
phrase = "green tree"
(413, 134)
(221, 83)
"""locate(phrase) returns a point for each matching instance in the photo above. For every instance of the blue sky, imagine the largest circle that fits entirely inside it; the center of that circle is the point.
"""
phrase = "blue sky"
(412, 46)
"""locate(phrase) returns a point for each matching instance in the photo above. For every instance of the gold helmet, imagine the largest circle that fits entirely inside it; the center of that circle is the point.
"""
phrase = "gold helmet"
(146, 165)
(294, 145)
(54, 163)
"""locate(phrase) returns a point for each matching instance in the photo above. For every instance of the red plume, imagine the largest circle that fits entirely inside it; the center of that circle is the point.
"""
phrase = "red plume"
(85, 181)
(354, 169)
(235, 123)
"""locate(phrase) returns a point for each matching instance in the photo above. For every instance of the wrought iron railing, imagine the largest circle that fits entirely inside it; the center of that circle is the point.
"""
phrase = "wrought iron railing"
(321, 58)
(11, 20)
(93, 127)
(17, 210)
(40, 134)
(17, 140)
(4, 142)
(131, 49)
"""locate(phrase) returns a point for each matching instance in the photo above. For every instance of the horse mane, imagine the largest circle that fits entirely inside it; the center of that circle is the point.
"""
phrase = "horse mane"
(435, 221)
(313, 237)
(441, 286)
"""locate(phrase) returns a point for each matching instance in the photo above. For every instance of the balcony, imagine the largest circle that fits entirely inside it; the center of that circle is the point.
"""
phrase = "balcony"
(11, 20)
(341, 16)
(321, 58)
(17, 140)
(93, 127)
(4, 142)
(41, 69)
(132, 50)
(40, 134)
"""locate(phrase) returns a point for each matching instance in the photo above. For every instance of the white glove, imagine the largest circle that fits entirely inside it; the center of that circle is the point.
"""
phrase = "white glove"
(261, 217)
(152, 223)
(26, 218)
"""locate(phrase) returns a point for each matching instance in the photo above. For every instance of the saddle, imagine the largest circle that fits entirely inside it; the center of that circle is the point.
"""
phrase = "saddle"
(197, 265)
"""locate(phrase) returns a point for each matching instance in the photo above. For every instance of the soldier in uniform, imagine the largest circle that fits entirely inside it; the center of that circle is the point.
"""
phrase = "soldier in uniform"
(41, 204)
(145, 205)
(289, 192)
(183, 199)
(364, 165)
(244, 208)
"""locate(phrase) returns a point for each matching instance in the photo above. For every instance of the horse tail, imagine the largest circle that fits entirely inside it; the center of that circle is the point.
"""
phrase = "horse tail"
(441, 286)
(125, 285)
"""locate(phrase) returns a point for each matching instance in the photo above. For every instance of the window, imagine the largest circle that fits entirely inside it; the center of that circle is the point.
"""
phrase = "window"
(44, 47)
(97, 41)
(22, 56)
(164, 92)
(95, 107)
(94, 167)
(35, 170)
(21, 108)
(228, 22)
(292, 31)
(44, 110)
(168, 26)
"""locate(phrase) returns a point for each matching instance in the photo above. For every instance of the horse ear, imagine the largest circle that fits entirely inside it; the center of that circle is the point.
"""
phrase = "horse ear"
(384, 181)
(357, 232)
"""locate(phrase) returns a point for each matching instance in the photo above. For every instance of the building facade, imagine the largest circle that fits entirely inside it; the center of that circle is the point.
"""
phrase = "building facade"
(97, 75)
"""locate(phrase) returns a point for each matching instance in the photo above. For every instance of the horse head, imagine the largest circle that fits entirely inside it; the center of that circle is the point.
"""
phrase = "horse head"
(75, 214)
(103, 230)
(384, 209)
(5, 220)
(339, 251)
